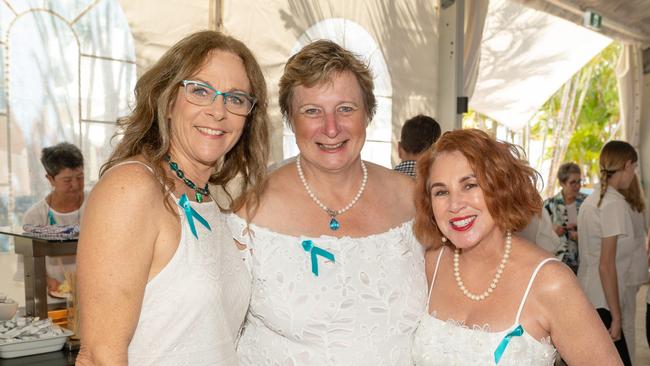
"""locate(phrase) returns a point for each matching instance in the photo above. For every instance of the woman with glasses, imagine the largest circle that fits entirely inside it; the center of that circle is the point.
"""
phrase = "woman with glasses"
(338, 278)
(563, 209)
(613, 262)
(161, 282)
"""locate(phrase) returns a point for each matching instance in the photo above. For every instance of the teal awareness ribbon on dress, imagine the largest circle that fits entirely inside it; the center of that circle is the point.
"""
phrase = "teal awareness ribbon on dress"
(517, 332)
(191, 214)
(50, 217)
(315, 251)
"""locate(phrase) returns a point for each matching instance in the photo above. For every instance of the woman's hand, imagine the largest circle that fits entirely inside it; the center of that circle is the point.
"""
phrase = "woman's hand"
(559, 230)
(615, 329)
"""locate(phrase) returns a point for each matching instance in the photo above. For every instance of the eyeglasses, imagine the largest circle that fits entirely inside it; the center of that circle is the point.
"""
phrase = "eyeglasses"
(575, 182)
(202, 94)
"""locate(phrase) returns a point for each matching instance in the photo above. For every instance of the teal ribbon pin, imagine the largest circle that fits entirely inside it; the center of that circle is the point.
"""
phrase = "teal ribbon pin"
(315, 251)
(517, 332)
(191, 214)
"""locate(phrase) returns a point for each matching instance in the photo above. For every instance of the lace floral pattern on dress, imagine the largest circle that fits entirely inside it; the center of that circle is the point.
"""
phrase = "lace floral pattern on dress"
(361, 309)
(450, 343)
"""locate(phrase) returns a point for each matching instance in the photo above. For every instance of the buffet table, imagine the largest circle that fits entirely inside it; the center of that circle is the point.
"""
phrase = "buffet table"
(34, 249)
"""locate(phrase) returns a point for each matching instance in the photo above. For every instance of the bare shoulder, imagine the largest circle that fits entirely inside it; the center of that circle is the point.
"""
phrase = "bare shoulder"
(133, 183)
(553, 278)
(431, 261)
(279, 189)
(398, 184)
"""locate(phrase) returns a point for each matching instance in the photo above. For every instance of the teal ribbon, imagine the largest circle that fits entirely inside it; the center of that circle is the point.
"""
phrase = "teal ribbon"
(315, 251)
(517, 332)
(50, 217)
(191, 214)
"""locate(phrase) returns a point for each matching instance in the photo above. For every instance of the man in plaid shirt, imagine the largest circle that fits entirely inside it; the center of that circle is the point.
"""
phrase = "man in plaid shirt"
(418, 134)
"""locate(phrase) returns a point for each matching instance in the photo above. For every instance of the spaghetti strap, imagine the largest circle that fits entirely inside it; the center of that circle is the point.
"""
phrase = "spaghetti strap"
(433, 279)
(130, 162)
(530, 284)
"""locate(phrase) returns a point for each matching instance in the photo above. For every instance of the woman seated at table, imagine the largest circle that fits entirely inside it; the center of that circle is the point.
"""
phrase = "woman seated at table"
(338, 276)
(64, 205)
(494, 298)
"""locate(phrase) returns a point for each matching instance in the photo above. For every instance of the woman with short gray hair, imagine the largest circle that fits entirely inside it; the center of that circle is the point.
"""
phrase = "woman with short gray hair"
(64, 205)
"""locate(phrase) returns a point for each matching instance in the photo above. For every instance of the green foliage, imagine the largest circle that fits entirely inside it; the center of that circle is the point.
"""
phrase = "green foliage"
(600, 113)
(598, 119)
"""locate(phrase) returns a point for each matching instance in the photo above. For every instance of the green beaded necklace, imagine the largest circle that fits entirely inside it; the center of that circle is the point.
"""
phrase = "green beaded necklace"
(198, 191)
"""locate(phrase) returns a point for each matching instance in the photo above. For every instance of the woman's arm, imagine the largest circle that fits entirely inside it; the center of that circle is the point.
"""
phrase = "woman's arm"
(114, 255)
(609, 280)
(575, 328)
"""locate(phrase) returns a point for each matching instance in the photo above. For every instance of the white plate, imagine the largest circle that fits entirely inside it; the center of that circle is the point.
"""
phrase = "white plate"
(34, 347)
(59, 295)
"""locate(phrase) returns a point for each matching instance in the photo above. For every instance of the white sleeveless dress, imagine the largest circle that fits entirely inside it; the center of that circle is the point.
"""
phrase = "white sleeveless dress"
(361, 309)
(193, 310)
(450, 343)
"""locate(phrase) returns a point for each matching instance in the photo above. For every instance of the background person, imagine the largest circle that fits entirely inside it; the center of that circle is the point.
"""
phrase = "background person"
(338, 276)
(418, 134)
(161, 282)
(64, 205)
(563, 209)
(613, 263)
(495, 298)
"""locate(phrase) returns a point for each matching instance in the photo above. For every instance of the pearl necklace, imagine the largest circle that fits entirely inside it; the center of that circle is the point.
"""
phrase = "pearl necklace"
(495, 280)
(334, 224)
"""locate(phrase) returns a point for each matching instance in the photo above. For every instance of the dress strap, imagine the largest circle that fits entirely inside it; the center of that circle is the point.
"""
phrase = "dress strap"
(530, 284)
(433, 279)
(131, 162)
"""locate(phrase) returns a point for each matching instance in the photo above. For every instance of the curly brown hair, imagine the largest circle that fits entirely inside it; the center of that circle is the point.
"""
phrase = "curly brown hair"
(146, 130)
(315, 64)
(509, 184)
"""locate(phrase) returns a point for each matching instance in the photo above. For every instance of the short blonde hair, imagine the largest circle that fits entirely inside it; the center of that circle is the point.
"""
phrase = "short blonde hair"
(315, 64)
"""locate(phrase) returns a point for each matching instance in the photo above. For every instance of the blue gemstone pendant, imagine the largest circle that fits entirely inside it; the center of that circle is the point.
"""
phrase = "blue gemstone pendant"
(334, 225)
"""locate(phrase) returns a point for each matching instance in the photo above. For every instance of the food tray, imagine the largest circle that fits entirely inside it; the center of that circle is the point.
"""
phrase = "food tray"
(34, 346)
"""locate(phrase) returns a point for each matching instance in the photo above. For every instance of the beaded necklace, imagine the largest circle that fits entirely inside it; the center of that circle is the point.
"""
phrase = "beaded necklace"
(198, 191)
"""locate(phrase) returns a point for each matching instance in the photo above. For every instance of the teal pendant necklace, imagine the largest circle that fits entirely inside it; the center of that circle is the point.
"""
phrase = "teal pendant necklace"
(334, 223)
(199, 192)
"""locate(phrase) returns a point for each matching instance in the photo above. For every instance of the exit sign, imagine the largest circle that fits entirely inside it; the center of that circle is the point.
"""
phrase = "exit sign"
(593, 20)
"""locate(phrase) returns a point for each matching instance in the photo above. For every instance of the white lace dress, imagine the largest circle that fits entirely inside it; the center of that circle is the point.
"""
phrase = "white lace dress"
(361, 308)
(451, 343)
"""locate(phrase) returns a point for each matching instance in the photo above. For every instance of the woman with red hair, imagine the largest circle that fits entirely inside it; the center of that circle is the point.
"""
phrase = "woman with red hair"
(494, 298)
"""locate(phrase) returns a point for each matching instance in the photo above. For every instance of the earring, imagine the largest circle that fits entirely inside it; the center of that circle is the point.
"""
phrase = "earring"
(444, 239)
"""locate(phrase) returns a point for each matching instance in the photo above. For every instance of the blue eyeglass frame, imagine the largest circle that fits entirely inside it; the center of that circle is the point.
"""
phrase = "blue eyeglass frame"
(217, 93)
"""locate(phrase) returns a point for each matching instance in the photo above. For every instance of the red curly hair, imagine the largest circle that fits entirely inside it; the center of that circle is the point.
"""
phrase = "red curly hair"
(508, 182)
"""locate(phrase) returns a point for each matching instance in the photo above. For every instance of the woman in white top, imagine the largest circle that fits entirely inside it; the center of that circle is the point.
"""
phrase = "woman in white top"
(161, 282)
(612, 244)
(64, 170)
(495, 298)
(338, 278)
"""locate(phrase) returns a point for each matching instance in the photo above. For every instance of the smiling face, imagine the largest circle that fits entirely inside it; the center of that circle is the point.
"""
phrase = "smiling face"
(329, 122)
(457, 201)
(203, 134)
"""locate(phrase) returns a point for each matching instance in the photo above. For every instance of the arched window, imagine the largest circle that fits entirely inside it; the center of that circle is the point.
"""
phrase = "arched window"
(355, 38)
(67, 73)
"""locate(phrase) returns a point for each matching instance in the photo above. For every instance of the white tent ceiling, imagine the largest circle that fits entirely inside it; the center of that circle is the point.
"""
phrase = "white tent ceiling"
(526, 55)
